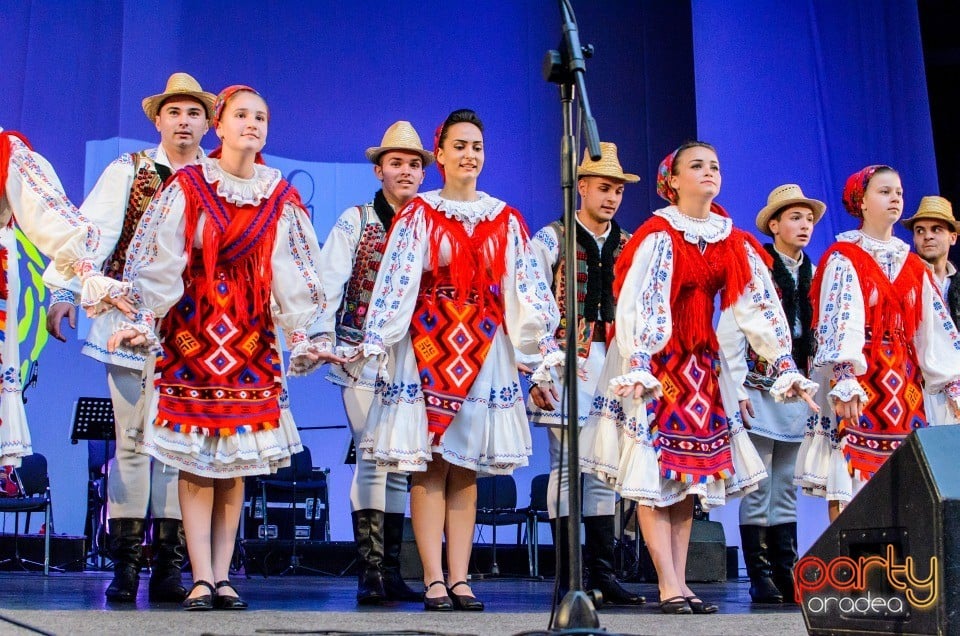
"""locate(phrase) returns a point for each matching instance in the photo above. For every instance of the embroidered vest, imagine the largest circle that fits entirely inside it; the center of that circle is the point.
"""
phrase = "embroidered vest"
(356, 296)
(146, 182)
(584, 329)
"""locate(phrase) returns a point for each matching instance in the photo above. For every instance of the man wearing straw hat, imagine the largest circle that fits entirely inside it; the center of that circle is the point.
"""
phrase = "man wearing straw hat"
(181, 114)
(348, 265)
(768, 515)
(934, 231)
(599, 241)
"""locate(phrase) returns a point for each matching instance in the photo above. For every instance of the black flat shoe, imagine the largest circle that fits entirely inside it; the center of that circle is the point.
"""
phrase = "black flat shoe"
(228, 602)
(438, 604)
(699, 607)
(463, 602)
(675, 605)
(199, 603)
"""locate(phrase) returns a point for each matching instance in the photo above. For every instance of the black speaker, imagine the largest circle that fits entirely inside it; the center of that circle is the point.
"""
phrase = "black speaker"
(889, 563)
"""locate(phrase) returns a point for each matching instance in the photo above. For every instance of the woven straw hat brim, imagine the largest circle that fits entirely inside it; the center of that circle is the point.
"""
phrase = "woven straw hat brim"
(767, 212)
(179, 85)
(626, 177)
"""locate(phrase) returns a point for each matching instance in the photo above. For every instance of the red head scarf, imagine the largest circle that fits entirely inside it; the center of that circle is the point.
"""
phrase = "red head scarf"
(222, 98)
(856, 186)
(663, 179)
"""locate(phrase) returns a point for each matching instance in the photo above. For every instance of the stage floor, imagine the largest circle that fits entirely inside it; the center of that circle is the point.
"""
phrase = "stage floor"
(73, 603)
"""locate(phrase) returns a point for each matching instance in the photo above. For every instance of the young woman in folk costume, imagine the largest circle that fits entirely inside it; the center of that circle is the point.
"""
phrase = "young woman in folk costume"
(881, 323)
(457, 278)
(224, 238)
(31, 199)
(666, 425)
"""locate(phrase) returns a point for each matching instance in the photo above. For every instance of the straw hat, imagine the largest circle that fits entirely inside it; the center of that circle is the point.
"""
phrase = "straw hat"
(934, 209)
(179, 84)
(400, 136)
(782, 197)
(608, 166)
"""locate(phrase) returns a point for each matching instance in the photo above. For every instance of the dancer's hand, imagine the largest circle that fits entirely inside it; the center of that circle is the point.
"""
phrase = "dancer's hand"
(797, 391)
(323, 356)
(851, 410)
(545, 399)
(130, 337)
(55, 316)
(746, 413)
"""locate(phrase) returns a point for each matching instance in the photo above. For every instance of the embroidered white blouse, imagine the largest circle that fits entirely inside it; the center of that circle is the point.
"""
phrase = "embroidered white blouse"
(530, 313)
(841, 332)
(157, 258)
(645, 324)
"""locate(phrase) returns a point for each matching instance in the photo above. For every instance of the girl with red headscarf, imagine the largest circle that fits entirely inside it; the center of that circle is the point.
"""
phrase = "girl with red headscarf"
(666, 424)
(458, 288)
(225, 256)
(884, 335)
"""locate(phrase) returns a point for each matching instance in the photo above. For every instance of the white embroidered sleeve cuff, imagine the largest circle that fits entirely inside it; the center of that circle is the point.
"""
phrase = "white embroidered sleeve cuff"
(651, 386)
(786, 381)
(143, 326)
(96, 288)
(300, 349)
(541, 375)
(846, 389)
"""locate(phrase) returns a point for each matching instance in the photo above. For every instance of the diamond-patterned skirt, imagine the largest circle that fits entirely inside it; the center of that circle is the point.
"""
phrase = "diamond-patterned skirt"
(450, 340)
(894, 408)
(688, 424)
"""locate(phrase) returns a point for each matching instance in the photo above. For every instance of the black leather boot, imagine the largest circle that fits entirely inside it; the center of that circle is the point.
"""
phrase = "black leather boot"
(169, 555)
(782, 542)
(368, 533)
(762, 588)
(393, 583)
(125, 540)
(599, 559)
(561, 539)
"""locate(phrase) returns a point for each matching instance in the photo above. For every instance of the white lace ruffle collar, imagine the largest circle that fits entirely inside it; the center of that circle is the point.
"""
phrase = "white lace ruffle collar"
(712, 229)
(893, 247)
(241, 191)
(484, 208)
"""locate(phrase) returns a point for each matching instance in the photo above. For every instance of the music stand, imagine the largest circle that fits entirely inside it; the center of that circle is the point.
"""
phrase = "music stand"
(93, 421)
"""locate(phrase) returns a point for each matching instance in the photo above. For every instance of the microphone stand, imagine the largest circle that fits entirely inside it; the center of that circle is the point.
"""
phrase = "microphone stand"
(567, 69)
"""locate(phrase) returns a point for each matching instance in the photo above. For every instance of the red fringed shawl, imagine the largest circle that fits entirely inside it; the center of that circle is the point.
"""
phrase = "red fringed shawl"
(6, 151)
(697, 277)
(241, 237)
(897, 303)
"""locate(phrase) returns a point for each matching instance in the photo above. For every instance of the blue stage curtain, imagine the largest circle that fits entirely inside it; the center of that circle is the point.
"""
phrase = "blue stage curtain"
(809, 92)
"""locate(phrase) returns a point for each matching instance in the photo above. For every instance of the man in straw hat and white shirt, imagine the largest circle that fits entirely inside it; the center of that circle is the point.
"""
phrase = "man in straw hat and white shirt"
(181, 114)
(599, 241)
(768, 515)
(348, 265)
(934, 231)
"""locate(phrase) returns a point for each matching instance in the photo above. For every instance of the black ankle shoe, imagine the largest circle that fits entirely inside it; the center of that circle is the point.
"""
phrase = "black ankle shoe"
(200, 603)
(438, 604)
(228, 602)
(463, 602)
(701, 607)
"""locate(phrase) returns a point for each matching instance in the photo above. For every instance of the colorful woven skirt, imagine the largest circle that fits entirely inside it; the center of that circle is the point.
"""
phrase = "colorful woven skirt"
(450, 341)
(688, 424)
(894, 408)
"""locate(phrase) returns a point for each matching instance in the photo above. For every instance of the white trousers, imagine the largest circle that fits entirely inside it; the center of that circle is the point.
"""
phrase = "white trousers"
(371, 489)
(136, 483)
(775, 500)
(598, 499)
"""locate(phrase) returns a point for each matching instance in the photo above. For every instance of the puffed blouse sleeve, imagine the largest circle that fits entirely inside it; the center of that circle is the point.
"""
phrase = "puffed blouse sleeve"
(643, 318)
(335, 265)
(759, 315)
(394, 295)
(938, 345)
(297, 287)
(105, 207)
(530, 311)
(841, 328)
(35, 195)
(157, 255)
